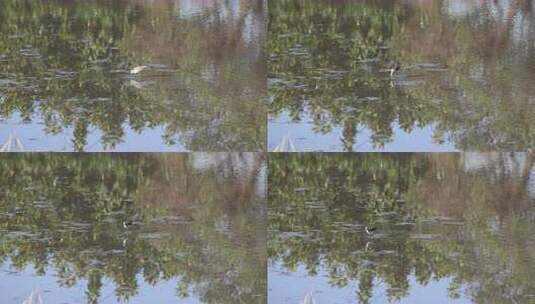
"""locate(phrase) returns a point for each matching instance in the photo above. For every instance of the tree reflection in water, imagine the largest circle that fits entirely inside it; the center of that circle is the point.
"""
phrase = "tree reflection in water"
(466, 73)
(64, 70)
(195, 219)
(463, 217)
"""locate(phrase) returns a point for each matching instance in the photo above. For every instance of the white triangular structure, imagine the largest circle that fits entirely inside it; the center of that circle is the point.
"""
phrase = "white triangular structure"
(12, 144)
(19, 144)
(309, 299)
(286, 145)
(7, 145)
(34, 298)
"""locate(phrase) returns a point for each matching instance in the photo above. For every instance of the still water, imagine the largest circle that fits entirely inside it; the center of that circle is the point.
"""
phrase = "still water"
(68, 81)
(462, 80)
(137, 228)
(402, 228)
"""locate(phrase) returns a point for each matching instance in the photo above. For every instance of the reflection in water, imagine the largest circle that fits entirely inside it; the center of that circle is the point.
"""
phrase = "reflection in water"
(402, 227)
(107, 228)
(66, 81)
(466, 70)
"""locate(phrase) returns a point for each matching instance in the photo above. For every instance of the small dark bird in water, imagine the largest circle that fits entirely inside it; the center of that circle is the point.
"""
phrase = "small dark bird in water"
(369, 230)
(133, 220)
(394, 67)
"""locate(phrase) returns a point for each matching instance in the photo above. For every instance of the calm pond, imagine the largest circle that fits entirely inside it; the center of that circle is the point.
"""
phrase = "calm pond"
(137, 228)
(462, 78)
(401, 228)
(68, 77)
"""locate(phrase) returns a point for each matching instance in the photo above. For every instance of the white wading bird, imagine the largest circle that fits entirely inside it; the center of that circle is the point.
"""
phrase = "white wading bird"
(138, 69)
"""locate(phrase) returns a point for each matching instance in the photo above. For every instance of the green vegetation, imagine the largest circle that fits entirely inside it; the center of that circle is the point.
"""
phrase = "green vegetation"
(435, 219)
(466, 76)
(198, 227)
(68, 63)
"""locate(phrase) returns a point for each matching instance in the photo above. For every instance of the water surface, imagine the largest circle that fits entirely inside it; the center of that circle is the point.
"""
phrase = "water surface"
(66, 81)
(136, 228)
(464, 82)
(401, 228)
